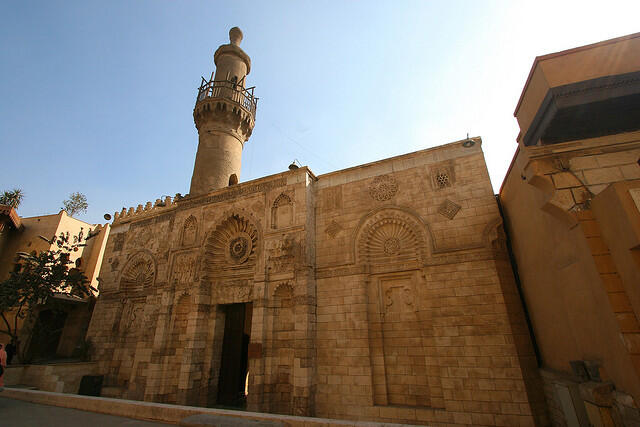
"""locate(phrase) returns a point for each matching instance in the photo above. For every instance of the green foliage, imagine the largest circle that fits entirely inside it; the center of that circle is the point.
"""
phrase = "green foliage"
(38, 277)
(12, 198)
(75, 204)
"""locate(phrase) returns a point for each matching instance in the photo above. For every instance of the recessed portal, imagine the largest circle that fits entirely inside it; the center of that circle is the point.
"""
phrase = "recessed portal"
(233, 363)
(46, 334)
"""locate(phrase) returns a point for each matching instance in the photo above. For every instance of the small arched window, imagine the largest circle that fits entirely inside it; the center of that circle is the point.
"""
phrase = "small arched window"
(233, 179)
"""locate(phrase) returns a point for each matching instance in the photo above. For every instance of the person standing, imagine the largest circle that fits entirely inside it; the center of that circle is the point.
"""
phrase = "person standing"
(3, 363)
(11, 351)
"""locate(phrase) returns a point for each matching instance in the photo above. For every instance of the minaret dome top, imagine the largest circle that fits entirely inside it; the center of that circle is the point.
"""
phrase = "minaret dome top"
(235, 36)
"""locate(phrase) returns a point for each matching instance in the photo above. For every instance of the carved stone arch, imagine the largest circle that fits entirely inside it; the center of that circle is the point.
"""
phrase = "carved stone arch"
(282, 199)
(391, 235)
(189, 233)
(282, 211)
(232, 247)
(139, 273)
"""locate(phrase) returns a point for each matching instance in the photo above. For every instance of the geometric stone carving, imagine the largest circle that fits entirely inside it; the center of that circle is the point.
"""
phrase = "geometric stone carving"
(184, 268)
(139, 273)
(232, 292)
(283, 256)
(443, 180)
(383, 187)
(333, 229)
(442, 177)
(448, 209)
(140, 237)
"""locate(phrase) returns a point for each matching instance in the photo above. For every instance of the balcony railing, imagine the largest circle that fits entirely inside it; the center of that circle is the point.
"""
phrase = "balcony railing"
(231, 91)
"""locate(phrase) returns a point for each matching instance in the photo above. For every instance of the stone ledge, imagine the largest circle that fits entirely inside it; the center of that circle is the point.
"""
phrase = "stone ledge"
(173, 414)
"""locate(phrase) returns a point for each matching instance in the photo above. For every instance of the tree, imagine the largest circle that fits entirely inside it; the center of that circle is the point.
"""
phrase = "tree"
(76, 203)
(12, 198)
(38, 277)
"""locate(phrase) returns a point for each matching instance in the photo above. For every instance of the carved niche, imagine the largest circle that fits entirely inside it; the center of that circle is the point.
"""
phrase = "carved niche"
(383, 188)
(392, 242)
(189, 231)
(282, 212)
(390, 236)
(139, 273)
(231, 247)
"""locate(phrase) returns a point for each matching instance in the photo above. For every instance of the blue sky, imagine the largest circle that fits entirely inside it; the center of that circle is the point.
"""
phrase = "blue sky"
(97, 97)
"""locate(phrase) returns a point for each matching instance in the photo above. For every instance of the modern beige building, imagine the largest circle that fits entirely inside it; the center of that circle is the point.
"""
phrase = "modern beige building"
(572, 203)
(24, 235)
(381, 292)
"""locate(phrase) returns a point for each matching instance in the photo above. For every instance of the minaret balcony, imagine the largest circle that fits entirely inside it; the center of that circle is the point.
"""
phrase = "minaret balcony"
(230, 91)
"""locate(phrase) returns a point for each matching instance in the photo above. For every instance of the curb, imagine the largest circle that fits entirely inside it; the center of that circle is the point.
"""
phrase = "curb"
(171, 414)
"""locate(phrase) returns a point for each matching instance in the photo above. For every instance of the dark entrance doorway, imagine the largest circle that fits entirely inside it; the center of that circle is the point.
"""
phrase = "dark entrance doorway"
(233, 363)
(46, 335)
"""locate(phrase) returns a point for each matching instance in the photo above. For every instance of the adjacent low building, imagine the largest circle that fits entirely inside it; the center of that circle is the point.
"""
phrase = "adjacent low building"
(71, 318)
(572, 203)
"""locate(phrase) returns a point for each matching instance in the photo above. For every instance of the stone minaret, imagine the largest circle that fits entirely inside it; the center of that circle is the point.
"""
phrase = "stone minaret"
(224, 115)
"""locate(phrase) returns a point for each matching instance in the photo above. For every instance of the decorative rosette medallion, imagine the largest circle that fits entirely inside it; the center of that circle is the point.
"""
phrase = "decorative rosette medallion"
(383, 187)
(239, 248)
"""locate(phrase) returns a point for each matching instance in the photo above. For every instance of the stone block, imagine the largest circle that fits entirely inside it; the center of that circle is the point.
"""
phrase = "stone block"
(584, 162)
(630, 171)
(603, 175)
(618, 158)
(620, 302)
(565, 180)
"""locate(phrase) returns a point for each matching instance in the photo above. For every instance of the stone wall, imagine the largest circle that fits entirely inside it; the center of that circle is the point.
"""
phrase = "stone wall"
(57, 377)
(418, 318)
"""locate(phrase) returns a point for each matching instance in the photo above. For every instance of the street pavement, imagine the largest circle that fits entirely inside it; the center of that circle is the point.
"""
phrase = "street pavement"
(18, 413)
